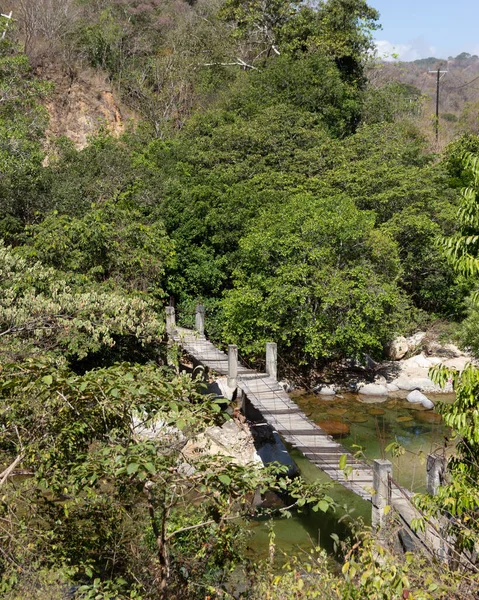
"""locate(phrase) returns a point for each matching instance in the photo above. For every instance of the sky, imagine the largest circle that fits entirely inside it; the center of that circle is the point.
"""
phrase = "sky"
(422, 28)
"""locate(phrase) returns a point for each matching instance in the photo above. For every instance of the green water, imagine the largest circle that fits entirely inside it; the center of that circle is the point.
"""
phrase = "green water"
(373, 426)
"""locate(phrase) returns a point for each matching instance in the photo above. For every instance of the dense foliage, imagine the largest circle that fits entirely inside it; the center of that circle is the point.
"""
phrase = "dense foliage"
(265, 178)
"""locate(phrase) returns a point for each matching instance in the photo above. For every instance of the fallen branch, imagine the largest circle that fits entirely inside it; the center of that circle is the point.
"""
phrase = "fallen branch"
(8, 471)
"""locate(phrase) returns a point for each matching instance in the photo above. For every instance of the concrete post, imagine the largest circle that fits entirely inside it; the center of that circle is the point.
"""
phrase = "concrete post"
(382, 470)
(232, 366)
(272, 360)
(435, 468)
(170, 320)
(200, 320)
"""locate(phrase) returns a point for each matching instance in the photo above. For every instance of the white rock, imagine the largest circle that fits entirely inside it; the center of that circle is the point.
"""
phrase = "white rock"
(416, 397)
(422, 361)
(428, 404)
(414, 383)
(392, 387)
(286, 385)
(434, 360)
(327, 391)
(380, 380)
(398, 348)
(414, 340)
(373, 389)
(454, 350)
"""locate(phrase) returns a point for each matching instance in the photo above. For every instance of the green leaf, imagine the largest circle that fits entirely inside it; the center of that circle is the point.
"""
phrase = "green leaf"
(225, 479)
(48, 379)
(342, 461)
(323, 505)
(132, 468)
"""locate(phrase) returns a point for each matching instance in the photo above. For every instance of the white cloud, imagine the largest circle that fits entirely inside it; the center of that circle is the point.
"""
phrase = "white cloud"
(412, 51)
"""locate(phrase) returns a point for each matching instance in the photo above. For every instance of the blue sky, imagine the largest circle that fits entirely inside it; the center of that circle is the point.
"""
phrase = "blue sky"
(422, 28)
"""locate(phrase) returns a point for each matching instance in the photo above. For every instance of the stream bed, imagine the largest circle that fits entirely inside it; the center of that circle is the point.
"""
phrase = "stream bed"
(373, 424)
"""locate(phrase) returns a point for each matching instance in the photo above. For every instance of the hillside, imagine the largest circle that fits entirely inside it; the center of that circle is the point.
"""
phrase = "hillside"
(459, 91)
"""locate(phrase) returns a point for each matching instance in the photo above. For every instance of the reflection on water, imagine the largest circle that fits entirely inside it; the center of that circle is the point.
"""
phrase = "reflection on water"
(372, 426)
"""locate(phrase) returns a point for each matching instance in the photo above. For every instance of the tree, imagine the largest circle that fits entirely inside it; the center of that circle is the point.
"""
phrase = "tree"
(41, 311)
(459, 496)
(22, 126)
(112, 241)
(314, 276)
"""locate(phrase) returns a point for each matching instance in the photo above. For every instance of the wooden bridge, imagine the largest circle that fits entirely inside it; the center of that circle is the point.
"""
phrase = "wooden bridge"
(267, 396)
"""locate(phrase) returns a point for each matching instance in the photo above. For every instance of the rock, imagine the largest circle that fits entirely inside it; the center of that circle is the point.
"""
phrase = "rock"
(229, 440)
(392, 387)
(380, 380)
(422, 361)
(428, 404)
(415, 340)
(454, 351)
(334, 428)
(337, 411)
(398, 348)
(287, 386)
(416, 397)
(326, 390)
(404, 419)
(370, 362)
(373, 389)
(429, 417)
(358, 418)
(415, 383)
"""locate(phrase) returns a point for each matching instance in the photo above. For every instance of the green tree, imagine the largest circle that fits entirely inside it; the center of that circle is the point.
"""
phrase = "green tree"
(316, 277)
(41, 311)
(22, 126)
(459, 496)
(112, 241)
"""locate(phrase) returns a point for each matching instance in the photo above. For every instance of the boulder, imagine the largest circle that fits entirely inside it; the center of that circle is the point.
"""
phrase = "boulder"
(286, 385)
(416, 397)
(392, 387)
(334, 428)
(428, 404)
(415, 340)
(415, 383)
(326, 390)
(229, 440)
(422, 361)
(373, 389)
(454, 351)
(398, 348)
(428, 417)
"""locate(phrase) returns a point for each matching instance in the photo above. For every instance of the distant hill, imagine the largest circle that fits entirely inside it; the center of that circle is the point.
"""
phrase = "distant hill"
(459, 90)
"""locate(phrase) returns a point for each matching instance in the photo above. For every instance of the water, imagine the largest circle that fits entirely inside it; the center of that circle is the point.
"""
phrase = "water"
(372, 426)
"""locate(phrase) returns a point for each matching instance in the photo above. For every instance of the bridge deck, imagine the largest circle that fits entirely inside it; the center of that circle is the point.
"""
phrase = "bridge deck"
(277, 408)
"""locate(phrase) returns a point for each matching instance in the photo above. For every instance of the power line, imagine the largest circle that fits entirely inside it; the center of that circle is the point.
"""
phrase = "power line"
(464, 84)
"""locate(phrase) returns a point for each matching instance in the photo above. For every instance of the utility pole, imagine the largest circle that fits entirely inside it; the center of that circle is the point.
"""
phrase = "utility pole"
(440, 75)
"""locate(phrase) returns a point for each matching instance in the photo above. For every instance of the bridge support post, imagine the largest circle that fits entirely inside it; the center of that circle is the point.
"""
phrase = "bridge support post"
(382, 471)
(272, 360)
(170, 320)
(435, 468)
(232, 366)
(200, 320)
